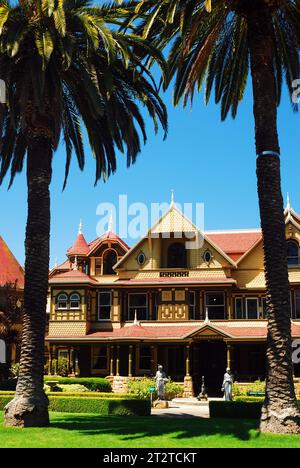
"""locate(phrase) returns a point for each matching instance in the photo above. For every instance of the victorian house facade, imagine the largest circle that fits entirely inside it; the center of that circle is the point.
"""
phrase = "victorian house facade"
(193, 302)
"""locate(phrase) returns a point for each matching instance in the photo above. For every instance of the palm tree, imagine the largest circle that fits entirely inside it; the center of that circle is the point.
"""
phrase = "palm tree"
(66, 67)
(219, 43)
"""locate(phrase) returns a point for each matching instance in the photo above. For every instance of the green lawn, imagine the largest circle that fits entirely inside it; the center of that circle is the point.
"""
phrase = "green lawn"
(90, 430)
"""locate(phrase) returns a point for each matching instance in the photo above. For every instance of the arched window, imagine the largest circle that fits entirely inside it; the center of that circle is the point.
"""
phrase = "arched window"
(177, 256)
(75, 301)
(292, 252)
(109, 260)
(62, 301)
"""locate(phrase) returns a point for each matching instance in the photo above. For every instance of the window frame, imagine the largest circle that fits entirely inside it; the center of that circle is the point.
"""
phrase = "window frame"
(295, 304)
(246, 307)
(293, 265)
(79, 301)
(137, 307)
(192, 306)
(105, 253)
(94, 369)
(219, 305)
(239, 298)
(107, 305)
(66, 301)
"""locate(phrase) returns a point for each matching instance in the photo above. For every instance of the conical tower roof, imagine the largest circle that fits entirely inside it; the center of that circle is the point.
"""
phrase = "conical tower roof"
(10, 269)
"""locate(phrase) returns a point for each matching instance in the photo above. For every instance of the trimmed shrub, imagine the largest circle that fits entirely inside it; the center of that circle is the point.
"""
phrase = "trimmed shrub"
(93, 384)
(101, 406)
(124, 396)
(141, 387)
(249, 399)
(240, 389)
(235, 409)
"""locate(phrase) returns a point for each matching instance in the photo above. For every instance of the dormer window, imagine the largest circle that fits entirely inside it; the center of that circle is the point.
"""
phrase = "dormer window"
(292, 253)
(109, 261)
(62, 301)
(177, 256)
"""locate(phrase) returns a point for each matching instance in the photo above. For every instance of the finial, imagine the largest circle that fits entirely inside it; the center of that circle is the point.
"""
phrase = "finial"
(80, 227)
(55, 263)
(206, 315)
(135, 322)
(288, 201)
(172, 197)
(110, 222)
(75, 264)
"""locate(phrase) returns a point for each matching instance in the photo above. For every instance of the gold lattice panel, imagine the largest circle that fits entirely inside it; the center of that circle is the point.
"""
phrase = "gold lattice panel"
(172, 312)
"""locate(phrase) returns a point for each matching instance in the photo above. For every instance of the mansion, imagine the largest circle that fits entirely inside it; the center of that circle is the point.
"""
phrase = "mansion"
(118, 312)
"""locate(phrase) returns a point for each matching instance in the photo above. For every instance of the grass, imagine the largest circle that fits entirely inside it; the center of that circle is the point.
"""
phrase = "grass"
(90, 430)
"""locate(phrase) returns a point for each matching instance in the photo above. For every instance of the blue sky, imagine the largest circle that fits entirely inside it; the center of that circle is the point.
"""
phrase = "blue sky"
(203, 160)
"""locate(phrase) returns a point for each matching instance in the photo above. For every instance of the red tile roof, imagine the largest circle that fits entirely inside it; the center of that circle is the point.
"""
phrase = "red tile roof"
(106, 237)
(10, 269)
(235, 243)
(71, 277)
(80, 246)
(156, 332)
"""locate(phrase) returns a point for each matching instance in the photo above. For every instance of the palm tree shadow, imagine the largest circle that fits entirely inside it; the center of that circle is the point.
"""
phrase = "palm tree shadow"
(133, 428)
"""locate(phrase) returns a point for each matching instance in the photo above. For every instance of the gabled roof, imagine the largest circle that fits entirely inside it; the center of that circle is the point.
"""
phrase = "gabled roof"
(10, 269)
(106, 237)
(235, 243)
(174, 221)
(72, 277)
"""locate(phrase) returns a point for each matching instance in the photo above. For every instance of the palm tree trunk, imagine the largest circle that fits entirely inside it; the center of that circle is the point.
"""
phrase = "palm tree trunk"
(280, 411)
(30, 405)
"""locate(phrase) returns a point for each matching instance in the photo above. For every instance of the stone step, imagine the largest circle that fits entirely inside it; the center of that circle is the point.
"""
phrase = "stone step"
(189, 402)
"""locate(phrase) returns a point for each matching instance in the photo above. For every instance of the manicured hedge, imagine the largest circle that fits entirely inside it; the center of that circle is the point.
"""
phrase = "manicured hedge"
(92, 383)
(235, 409)
(102, 406)
(125, 396)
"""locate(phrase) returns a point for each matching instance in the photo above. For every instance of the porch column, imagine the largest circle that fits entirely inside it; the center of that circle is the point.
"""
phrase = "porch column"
(188, 381)
(111, 366)
(229, 355)
(118, 362)
(55, 354)
(130, 361)
(50, 359)
(187, 361)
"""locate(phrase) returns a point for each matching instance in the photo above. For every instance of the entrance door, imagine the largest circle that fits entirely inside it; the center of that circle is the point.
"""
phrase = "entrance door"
(209, 360)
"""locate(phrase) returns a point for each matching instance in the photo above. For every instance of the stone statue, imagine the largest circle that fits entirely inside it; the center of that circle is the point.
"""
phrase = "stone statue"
(227, 385)
(161, 380)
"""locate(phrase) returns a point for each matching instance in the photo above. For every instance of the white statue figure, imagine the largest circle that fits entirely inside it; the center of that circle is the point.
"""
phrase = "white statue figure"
(161, 380)
(227, 385)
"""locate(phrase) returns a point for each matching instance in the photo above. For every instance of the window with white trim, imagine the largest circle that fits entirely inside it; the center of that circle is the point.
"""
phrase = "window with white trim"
(292, 253)
(138, 302)
(192, 305)
(104, 305)
(239, 308)
(75, 301)
(215, 303)
(62, 301)
(252, 308)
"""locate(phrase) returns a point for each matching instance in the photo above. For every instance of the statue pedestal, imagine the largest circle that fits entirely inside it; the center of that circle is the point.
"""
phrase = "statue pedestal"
(160, 404)
(188, 387)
